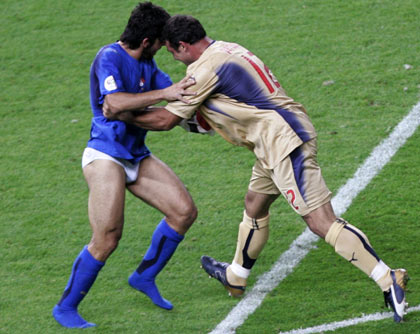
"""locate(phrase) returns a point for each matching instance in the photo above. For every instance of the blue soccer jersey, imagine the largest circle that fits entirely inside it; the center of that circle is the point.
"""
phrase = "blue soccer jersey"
(114, 70)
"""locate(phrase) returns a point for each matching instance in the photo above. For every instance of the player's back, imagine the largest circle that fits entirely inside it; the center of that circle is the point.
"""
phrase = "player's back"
(247, 105)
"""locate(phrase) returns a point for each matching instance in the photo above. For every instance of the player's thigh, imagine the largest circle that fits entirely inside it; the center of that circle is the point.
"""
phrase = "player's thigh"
(106, 182)
(262, 192)
(299, 179)
(160, 187)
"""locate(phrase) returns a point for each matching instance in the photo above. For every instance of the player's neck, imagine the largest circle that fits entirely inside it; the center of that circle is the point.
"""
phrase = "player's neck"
(135, 53)
(201, 46)
(204, 44)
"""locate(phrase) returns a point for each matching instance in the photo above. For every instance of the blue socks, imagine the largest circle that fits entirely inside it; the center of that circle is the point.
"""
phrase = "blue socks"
(86, 268)
(84, 272)
(164, 243)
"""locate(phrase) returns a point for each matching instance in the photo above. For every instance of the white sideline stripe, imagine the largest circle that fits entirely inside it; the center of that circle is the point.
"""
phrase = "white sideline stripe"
(347, 323)
(299, 248)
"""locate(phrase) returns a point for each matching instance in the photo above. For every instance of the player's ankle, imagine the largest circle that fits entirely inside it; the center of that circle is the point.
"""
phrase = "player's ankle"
(235, 279)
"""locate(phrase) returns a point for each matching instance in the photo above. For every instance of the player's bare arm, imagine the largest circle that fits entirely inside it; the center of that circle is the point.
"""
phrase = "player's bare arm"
(121, 102)
(152, 118)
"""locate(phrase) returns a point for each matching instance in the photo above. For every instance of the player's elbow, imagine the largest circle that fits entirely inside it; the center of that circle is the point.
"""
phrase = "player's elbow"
(166, 125)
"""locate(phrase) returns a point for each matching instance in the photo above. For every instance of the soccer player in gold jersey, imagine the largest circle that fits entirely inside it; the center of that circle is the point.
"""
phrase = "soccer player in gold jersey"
(240, 98)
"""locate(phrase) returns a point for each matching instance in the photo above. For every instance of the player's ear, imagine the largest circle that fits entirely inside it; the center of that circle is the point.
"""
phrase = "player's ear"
(183, 46)
(145, 43)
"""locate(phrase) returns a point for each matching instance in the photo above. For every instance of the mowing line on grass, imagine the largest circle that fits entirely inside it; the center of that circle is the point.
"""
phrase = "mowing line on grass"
(286, 263)
(347, 323)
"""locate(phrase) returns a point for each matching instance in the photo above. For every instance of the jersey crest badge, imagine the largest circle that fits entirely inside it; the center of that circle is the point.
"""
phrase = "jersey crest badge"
(141, 83)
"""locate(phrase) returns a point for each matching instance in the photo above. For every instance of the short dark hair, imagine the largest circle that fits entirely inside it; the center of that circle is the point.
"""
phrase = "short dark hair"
(146, 21)
(183, 28)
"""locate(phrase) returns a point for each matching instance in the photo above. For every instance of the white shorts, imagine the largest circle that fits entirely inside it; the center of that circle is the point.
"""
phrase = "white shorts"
(131, 170)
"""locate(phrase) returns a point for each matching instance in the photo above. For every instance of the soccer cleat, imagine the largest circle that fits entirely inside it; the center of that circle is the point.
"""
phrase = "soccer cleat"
(217, 270)
(395, 296)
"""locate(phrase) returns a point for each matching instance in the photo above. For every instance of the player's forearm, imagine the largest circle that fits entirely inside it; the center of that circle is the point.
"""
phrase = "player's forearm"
(121, 102)
(155, 118)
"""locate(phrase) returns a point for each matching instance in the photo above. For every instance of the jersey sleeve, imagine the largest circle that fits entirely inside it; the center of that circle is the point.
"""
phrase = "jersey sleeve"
(108, 73)
(205, 83)
(160, 79)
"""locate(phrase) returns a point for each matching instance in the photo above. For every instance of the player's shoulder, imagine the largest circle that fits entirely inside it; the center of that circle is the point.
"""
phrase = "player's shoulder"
(222, 52)
(110, 52)
(213, 56)
(228, 48)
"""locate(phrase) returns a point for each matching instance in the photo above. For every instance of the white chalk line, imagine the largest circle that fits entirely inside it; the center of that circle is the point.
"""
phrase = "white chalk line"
(347, 323)
(299, 248)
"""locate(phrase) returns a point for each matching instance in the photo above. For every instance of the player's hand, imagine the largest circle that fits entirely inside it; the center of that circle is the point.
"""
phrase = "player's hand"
(178, 91)
(106, 111)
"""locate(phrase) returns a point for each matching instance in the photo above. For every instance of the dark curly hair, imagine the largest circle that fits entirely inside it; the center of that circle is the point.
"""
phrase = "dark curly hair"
(146, 21)
(183, 28)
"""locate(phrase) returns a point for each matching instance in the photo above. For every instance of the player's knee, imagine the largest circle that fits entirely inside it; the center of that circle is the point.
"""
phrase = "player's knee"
(112, 240)
(103, 246)
(249, 199)
(189, 214)
(258, 204)
(184, 215)
(319, 228)
(321, 219)
(313, 227)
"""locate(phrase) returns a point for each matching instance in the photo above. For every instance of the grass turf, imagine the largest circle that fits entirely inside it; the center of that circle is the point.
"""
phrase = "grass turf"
(45, 54)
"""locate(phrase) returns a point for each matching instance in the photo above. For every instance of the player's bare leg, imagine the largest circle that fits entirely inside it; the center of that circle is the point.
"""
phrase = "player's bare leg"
(158, 186)
(106, 181)
(352, 244)
(161, 188)
(106, 206)
(252, 237)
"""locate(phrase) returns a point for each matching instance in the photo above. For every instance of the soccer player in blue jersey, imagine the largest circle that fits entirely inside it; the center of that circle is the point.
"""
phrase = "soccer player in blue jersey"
(125, 76)
(240, 98)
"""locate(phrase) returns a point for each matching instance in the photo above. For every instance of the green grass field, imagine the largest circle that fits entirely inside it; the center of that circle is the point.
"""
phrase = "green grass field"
(362, 46)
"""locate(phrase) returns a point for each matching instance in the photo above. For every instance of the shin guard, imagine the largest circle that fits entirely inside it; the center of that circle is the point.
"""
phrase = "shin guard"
(165, 240)
(353, 245)
(252, 237)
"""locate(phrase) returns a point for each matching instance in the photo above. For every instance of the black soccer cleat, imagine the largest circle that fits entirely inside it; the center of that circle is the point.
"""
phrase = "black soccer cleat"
(395, 296)
(217, 270)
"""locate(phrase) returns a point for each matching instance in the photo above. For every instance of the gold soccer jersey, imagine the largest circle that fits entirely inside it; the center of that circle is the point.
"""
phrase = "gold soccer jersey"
(242, 100)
